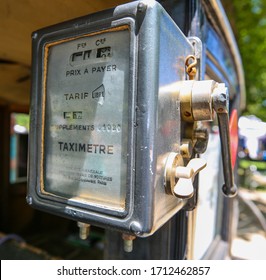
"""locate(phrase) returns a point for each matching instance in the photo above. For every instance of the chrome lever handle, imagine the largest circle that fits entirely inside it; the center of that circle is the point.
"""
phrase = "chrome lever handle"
(220, 105)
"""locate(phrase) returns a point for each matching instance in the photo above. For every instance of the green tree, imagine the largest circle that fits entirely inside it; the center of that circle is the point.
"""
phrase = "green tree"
(248, 19)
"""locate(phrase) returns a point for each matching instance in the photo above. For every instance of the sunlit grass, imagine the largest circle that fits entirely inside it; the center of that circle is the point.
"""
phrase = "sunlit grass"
(245, 163)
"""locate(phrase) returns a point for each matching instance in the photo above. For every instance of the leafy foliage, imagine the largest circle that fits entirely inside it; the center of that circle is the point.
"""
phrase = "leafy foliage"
(248, 19)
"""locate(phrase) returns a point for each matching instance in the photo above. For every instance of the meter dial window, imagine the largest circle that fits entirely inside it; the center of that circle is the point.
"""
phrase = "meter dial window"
(85, 146)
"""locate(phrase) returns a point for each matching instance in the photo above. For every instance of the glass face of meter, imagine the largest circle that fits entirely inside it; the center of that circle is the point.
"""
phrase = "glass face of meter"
(86, 118)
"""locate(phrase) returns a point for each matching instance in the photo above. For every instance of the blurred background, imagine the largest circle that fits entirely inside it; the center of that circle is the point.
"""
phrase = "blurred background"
(250, 241)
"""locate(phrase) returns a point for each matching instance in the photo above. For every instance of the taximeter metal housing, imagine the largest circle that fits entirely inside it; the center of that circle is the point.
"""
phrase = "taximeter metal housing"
(101, 129)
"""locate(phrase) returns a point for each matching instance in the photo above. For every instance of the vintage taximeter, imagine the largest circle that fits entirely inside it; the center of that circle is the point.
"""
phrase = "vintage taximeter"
(113, 96)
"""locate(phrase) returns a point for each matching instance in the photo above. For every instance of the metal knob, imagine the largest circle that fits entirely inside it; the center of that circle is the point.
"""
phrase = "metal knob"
(220, 103)
(179, 178)
(184, 186)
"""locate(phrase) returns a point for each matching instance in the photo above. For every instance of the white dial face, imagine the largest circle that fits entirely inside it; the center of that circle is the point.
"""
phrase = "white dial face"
(86, 118)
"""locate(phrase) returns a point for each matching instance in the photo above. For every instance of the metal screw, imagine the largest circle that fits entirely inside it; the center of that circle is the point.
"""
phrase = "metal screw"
(84, 230)
(34, 35)
(29, 200)
(128, 242)
(186, 148)
(187, 114)
(142, 7)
